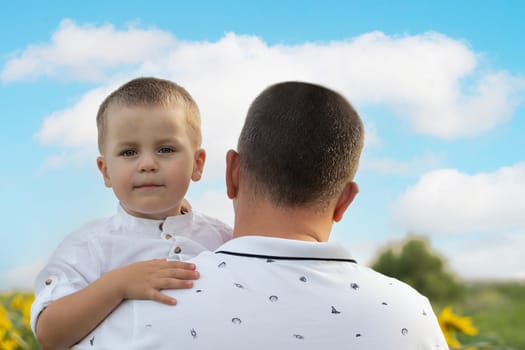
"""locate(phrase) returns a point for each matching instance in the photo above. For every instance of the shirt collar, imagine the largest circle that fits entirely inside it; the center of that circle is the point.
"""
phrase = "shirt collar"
(172, 225)
(280, 248)
(180, 225)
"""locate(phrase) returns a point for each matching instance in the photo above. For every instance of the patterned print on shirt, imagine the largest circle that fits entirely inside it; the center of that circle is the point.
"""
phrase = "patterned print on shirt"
(274, 298)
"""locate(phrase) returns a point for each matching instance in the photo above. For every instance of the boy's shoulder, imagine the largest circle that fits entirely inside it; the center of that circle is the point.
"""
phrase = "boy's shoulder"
(203, 222)
(205, 219)
(90, 230)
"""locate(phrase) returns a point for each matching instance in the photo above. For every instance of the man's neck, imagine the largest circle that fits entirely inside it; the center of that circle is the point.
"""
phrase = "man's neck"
(264, 219)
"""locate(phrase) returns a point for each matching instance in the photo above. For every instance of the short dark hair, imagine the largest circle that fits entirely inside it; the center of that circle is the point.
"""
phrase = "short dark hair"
(150, 91)
(300, 144)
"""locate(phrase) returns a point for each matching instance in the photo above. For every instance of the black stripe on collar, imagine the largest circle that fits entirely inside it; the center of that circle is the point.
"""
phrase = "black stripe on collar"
(284, 257)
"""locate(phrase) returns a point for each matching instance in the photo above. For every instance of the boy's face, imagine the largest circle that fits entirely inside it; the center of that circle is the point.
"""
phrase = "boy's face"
(148, 159)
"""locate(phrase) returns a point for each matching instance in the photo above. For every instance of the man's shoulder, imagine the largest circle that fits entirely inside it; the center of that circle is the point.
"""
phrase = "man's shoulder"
(397, 288)
(205, 259)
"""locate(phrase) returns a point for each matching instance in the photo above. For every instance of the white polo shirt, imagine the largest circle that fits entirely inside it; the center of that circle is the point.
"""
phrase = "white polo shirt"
(271, 293)
(107, 244)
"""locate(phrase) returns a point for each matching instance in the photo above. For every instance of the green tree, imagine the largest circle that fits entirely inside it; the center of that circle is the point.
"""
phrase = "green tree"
(418, 266)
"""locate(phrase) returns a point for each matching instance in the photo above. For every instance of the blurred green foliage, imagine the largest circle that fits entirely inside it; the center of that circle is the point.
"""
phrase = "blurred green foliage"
(497, 309)
(414, 263)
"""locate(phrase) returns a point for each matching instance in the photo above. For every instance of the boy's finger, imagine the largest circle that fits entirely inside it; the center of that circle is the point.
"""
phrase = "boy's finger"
(181, 265)
(162, 298)
(182, 274)
(172, 283)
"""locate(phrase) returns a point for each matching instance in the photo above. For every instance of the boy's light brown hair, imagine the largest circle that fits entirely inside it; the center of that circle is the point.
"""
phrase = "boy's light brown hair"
(154, 92)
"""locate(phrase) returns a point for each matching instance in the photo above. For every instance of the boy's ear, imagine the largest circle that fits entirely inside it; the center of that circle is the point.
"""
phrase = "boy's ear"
(345, 199)
(101, 164)
(198, 164)
(232, 174)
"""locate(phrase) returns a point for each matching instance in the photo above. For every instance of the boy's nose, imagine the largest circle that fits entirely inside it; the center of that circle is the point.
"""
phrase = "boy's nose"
(148, 164)
(147, 169)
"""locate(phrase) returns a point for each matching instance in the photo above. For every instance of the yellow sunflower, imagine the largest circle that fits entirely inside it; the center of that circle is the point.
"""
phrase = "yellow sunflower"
(451, 324)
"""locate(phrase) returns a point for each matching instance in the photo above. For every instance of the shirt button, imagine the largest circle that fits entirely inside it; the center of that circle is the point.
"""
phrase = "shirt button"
(177, 250)
(168, 236)
(161, 225)
(48, 281)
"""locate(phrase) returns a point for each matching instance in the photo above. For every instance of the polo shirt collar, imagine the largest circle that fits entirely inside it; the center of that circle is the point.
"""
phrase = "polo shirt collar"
(280, 248)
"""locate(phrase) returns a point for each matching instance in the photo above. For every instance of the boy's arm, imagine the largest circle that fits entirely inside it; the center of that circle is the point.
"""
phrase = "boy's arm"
(67, 320)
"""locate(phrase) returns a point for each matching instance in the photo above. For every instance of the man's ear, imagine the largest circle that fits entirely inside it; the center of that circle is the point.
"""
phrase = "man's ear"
(101, 164)
(345, 199)
(198, 164)
(232, 174)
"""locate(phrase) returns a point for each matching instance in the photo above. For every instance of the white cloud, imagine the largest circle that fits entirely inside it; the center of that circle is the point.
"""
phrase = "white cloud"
(401, 167)
(215, 204)
(372, 138)
(479, 257)
(74, 127)
(78, 158)
(492, 257)
(431, 80)
(86, 52)
(55, 161)
(22, 277)
(447, 201)
(495, 97)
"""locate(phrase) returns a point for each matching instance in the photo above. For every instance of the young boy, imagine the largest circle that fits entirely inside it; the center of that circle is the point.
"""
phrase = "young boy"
(149, 141)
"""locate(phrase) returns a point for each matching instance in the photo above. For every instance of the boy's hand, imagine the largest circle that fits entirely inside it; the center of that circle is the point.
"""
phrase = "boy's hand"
(145, 279)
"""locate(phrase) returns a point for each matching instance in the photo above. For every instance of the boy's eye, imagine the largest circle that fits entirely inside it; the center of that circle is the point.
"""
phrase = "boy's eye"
(128, 153)
(166, 150)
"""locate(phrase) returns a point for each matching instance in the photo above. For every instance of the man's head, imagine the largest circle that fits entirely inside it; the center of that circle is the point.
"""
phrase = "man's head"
(150, 92)
(300, 145)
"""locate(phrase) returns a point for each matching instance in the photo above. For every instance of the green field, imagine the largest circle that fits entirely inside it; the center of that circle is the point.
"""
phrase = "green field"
(498, 311)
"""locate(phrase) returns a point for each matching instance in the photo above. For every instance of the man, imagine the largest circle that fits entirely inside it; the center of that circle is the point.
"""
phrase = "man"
(278, 284)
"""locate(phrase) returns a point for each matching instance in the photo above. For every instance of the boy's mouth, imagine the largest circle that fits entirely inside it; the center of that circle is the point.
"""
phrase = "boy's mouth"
(147, 186)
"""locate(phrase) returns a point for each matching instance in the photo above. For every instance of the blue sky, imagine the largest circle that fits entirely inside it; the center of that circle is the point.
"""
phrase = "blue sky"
(440, 87)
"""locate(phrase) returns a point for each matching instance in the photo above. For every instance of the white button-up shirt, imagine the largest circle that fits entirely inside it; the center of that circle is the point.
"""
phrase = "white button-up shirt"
(271, 293)
(107, 244)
